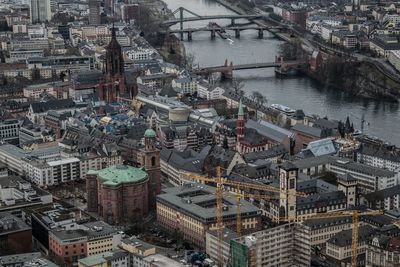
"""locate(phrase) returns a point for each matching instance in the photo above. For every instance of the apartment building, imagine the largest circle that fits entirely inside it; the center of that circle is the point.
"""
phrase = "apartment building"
(321, 230)
(369, 178)
(9, 130)
(383, 251)
(13, 156)
(51, 172)
(380, 156)
(339, 247)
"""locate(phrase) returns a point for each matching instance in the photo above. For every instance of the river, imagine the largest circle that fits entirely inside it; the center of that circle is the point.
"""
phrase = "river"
(383, 118)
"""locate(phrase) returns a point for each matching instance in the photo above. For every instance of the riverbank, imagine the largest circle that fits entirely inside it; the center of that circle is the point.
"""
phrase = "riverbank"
(362, 81)
(170, 48)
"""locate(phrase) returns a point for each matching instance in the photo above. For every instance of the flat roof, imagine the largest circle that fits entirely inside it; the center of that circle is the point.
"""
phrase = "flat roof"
(159, 260)
(27, 259)
(197, 200)
(62, 161)
(95, 259)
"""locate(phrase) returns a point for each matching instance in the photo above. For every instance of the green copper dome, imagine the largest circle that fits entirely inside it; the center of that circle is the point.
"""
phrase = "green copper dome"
(120, 174)
(150, 133)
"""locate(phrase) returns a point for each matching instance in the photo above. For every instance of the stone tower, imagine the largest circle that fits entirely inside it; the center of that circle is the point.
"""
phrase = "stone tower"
(240, 127)
(240, 122)
(288, 174)
(348, 185)
(114, 70)
(151, 163)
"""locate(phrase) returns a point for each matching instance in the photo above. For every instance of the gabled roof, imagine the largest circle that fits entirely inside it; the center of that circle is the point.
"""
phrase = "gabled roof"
(312, 131)
(322, 147)
(188, 160)
(40, 107)
(343, 238)
(269, 130)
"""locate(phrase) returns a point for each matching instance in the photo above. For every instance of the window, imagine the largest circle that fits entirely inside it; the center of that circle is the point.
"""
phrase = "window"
(291, 183)
(153, 161)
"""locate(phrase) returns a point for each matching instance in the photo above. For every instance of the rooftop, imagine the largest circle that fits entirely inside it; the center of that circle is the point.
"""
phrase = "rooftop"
(199, 201)
(11, 223)
(116, 175)
(34, 259)
(344, 237)
(95, 260)
(159, 260)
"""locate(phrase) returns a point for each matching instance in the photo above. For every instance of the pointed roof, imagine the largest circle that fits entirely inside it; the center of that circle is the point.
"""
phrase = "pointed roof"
(113, 34)
(240, 112)
(113, 43)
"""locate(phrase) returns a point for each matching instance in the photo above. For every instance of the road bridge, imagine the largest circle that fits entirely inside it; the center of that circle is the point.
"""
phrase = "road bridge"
(195, 17)
(235, 29)
(281, 67)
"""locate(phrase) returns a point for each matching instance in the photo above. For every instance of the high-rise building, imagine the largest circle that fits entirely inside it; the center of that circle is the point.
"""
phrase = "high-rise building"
(94, 12)
(40, 11)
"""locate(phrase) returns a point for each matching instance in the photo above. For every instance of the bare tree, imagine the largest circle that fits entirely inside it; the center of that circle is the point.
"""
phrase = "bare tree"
(237, 86)
(258, 100)
(189, 60)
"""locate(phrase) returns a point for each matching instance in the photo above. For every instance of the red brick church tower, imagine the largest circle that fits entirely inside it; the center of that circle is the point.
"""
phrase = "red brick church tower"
(240, 123)
(114, 80)
(151, 163)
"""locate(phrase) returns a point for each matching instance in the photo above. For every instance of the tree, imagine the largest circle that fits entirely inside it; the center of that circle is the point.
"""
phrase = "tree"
(189, 60)
(148, 24)
(258, 99)
(237, 86)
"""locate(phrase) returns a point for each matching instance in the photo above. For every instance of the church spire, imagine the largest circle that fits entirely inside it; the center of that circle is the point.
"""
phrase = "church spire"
(240, 125)
(240, 112)
(113, 34)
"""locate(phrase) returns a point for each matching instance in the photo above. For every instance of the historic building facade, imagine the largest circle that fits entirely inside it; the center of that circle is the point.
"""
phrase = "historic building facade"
(119, 194)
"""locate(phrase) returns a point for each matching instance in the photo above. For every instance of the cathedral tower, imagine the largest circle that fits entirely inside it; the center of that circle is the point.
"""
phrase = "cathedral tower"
(114, 84)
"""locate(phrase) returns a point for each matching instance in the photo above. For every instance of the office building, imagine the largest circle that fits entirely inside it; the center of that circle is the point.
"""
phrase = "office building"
(94, 12)
(16, 193)
(40, 11)
(190, 210)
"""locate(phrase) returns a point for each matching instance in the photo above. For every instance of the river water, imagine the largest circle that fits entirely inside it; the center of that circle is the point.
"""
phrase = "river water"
(383, 118)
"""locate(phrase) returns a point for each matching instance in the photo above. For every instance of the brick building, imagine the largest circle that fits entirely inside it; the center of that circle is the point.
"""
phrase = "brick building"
(118, 193)
(15, 235)
(123, 193)
(68, 245)
(297, 16)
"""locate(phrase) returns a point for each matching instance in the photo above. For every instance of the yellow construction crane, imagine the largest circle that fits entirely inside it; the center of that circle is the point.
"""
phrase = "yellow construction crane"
(220, 182)
(355, 215)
